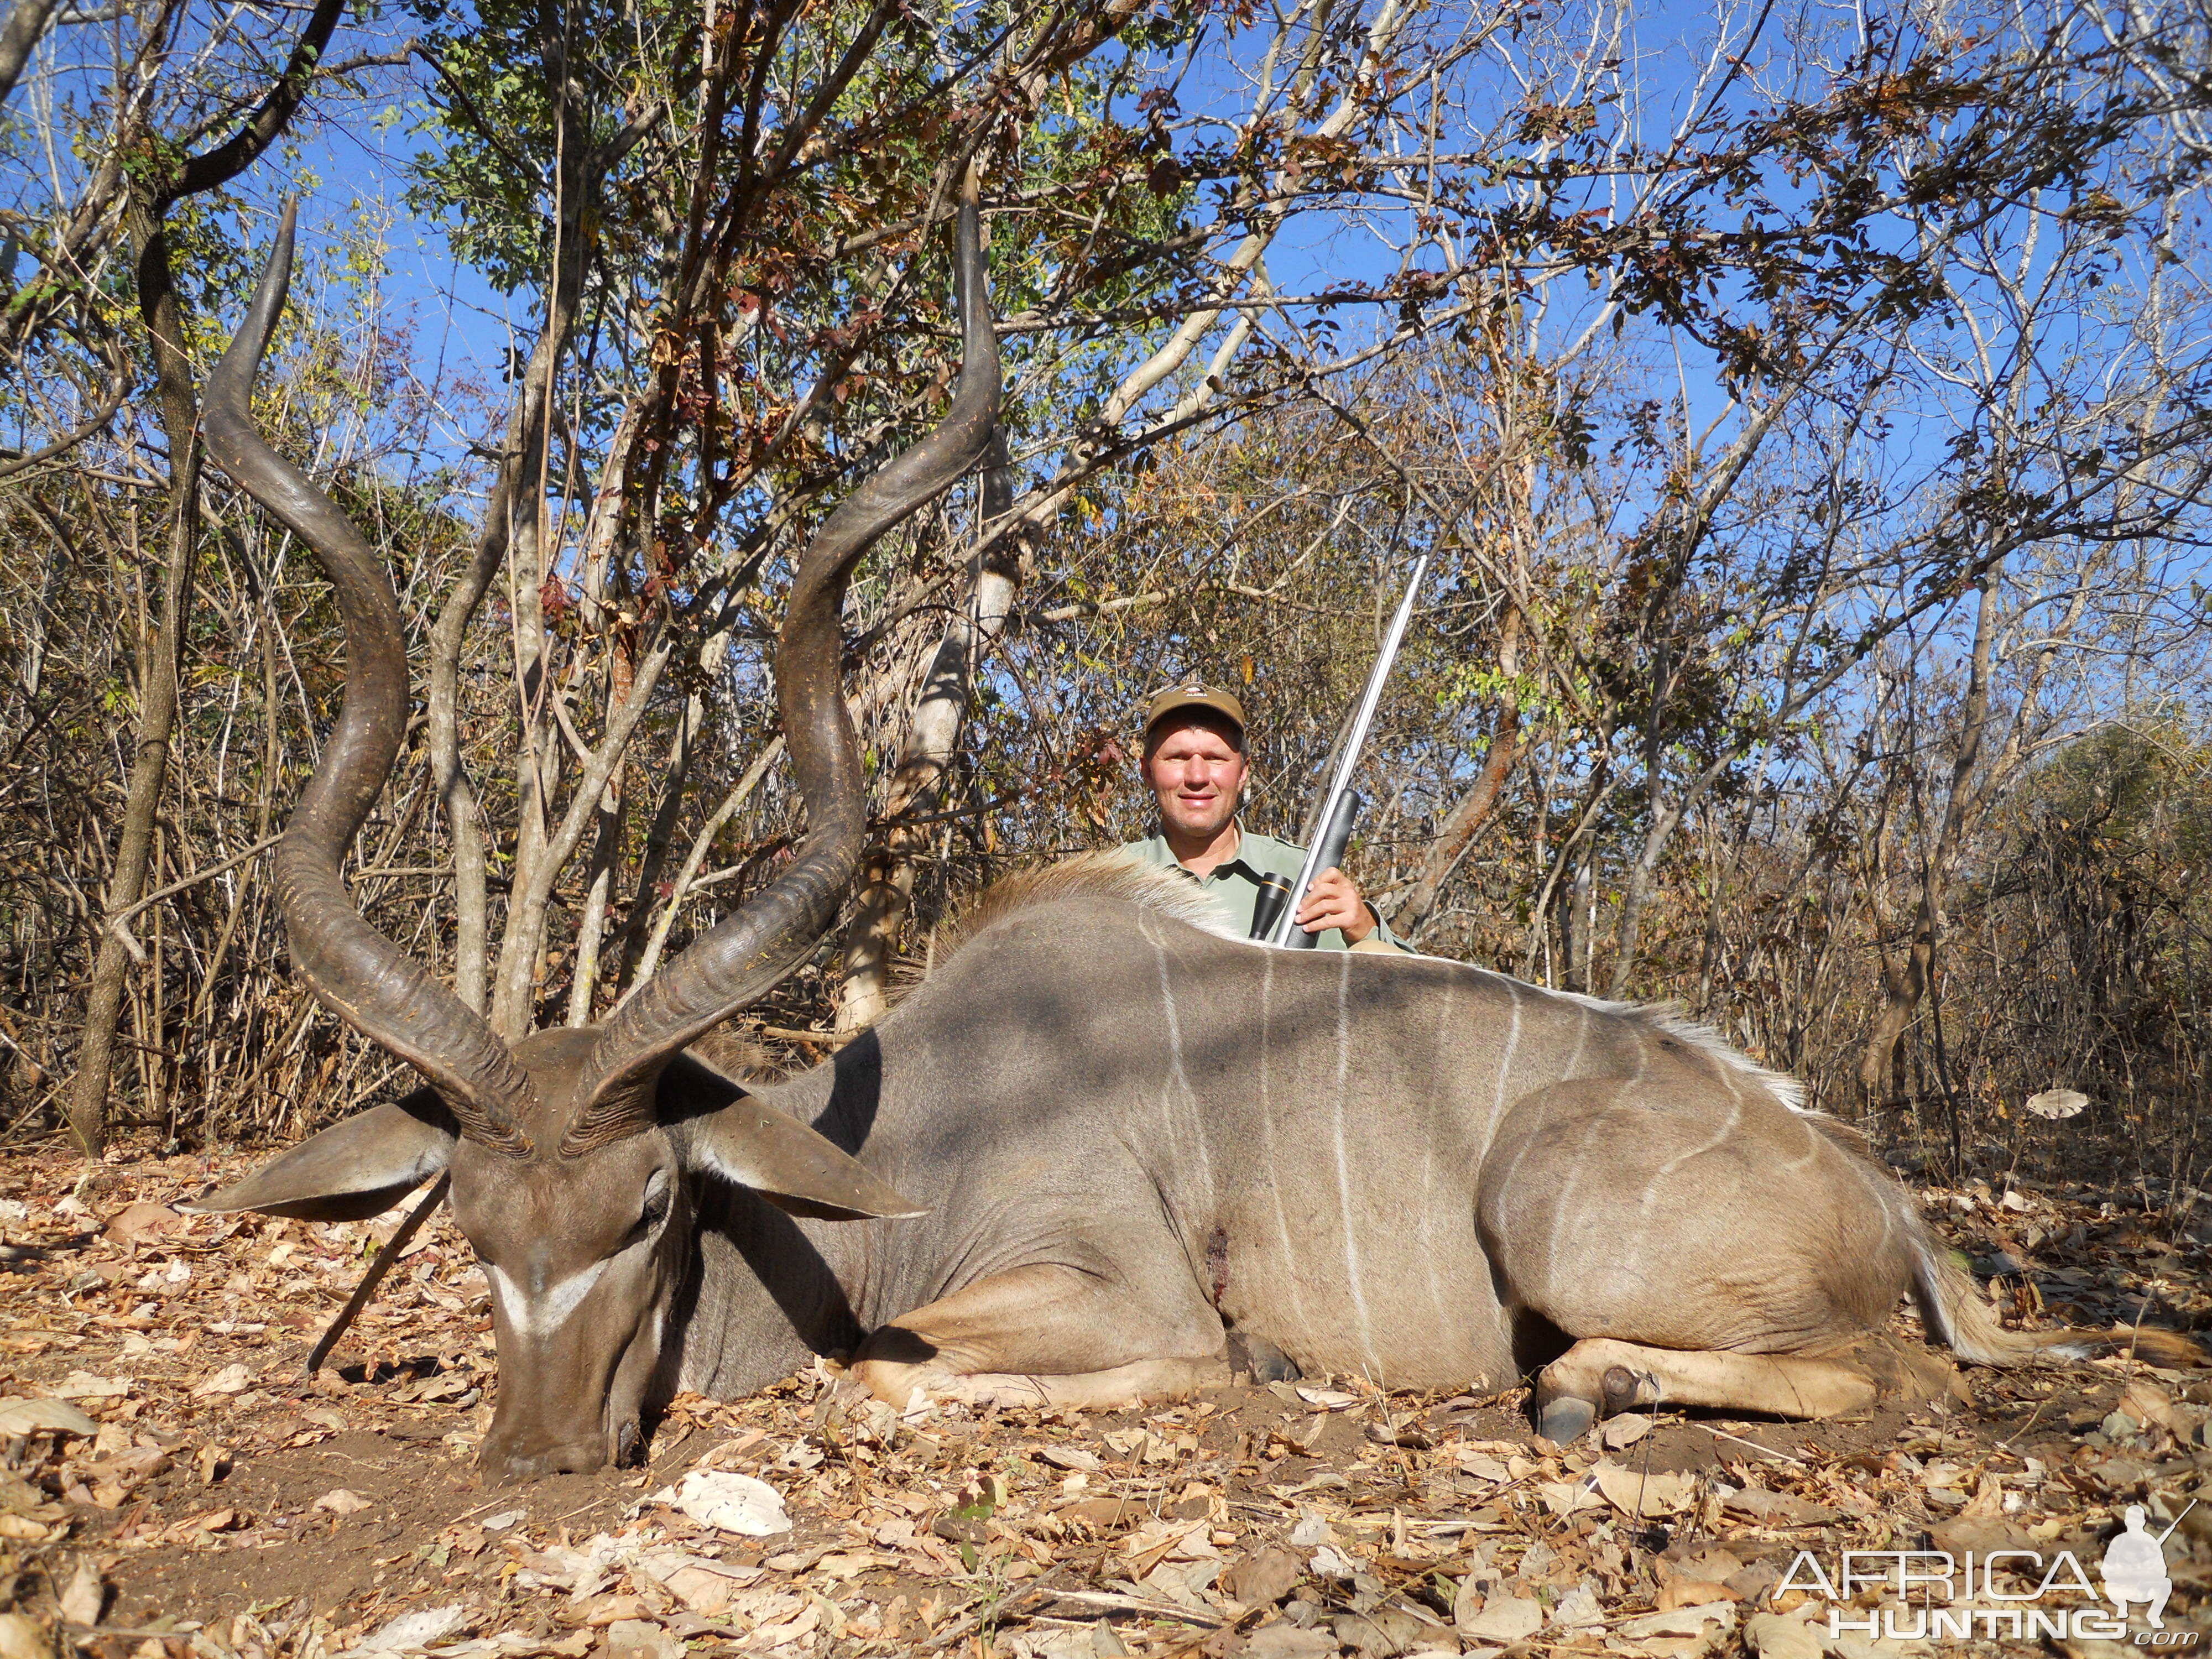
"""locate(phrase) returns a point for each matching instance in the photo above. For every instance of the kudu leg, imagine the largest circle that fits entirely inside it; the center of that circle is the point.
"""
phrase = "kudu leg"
(1600, 1376)
(1045, 1335)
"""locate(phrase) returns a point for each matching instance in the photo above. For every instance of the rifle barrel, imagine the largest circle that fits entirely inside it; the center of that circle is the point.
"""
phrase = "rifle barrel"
(1349, 760)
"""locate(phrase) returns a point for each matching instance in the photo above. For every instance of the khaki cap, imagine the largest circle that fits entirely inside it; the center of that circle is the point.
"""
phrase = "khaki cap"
(1193, 694)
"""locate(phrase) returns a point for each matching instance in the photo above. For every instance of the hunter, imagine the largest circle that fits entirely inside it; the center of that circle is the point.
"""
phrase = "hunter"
(1195, 765)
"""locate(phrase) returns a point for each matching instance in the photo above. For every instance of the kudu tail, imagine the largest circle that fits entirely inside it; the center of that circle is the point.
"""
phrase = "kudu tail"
(1957, 1313)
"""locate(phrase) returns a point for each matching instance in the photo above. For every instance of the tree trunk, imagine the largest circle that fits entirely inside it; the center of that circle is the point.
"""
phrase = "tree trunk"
(1906, 981)
(1474, 809)
(1580, 921)
(932, 739)
(448, 636)
(606, 852)
(538, 763)
(600, 570)
(659, 839)
(146, 214)
(18, 38)
(179, 412)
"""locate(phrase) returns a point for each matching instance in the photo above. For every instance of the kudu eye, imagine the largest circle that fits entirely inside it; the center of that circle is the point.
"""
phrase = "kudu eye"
(658, 1193)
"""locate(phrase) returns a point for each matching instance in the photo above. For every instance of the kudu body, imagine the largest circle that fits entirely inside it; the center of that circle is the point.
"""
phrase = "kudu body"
(1099, 1144)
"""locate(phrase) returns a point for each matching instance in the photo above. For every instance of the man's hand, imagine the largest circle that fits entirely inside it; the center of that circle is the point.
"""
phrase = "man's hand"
(1333, 901)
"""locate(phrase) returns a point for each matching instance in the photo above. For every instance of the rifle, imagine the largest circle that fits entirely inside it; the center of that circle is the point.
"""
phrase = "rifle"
(1273, 919)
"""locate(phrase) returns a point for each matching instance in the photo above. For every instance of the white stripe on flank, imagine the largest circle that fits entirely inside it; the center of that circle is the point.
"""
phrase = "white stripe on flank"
(1290, 1277)
(1428, 1244)
(541, 1315)
(1726, 1134)
(1582, 1042)
(1560, 1201)
(1504, 1064)
(1343, 1166)
(1812, 1151)
(1177, 1089)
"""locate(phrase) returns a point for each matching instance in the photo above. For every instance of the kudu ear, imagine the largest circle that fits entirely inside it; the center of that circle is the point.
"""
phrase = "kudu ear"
(359, 1167)
(790, 1165)
(717, 1127)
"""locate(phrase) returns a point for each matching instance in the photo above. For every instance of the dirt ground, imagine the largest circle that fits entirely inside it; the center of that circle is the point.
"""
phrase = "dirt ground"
(209, 1501)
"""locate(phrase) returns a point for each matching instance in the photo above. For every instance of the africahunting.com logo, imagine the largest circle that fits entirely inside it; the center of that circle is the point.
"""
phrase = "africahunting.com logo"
(2004, 1594)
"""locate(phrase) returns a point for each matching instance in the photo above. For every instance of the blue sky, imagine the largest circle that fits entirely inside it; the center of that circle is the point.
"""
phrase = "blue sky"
(462, 330)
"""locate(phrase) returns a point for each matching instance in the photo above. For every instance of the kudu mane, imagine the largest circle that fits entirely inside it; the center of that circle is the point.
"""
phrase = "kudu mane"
(1113, 875)
(1105, 875)
(1667, 1019)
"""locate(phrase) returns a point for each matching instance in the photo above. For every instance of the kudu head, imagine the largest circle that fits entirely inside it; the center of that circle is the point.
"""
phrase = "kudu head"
(570, 1151)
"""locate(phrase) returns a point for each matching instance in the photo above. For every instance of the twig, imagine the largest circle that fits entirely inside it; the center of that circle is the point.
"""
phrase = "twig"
(1113, 1603)
(1722, 1434)
(953, 1633)
(110, 402)
(831, 1039)
(121, 479)
(2006, 1443)
(385, 1257)
(117, 923)
(1083, 608)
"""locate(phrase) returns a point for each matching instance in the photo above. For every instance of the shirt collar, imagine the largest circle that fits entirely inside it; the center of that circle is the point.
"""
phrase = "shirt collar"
(1237, 857)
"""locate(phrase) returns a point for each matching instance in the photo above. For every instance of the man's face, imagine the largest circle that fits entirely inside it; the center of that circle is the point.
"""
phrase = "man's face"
(1197, 774)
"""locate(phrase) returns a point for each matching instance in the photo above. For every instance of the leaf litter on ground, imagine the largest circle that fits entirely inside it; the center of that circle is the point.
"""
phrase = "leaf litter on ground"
(178, 1489)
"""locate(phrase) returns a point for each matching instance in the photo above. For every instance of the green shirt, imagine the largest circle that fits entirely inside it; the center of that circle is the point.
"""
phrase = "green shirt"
(1234, 885)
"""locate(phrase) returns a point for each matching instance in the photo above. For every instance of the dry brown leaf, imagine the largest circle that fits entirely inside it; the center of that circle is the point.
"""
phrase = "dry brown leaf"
(1104, 1514)
(1778, 1509)
(1645, 1493)
(19, 1496)
(600, 1611)
(1167, 1541)
(2146, 1402)
(1779, 1636)
(1625, 1430)
(22, 1417)
(22, 1636)
(1980, 1524)
(1502, 1619)
(1263, 1579)
(702, 1591)
(84, 1596)
(144, 1220)
(1686, 1592)
(1564, 1498)
(84, 1385)
(634, 1638)
(1689, 1619)
(1071, 1457)
(1481, 1464)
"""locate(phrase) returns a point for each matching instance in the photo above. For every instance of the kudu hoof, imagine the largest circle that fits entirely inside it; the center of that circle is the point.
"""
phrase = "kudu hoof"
(1265, 1361)
(1566, 1419)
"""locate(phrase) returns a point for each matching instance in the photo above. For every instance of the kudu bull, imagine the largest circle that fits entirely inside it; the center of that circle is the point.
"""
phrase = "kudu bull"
(1097, 1145)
